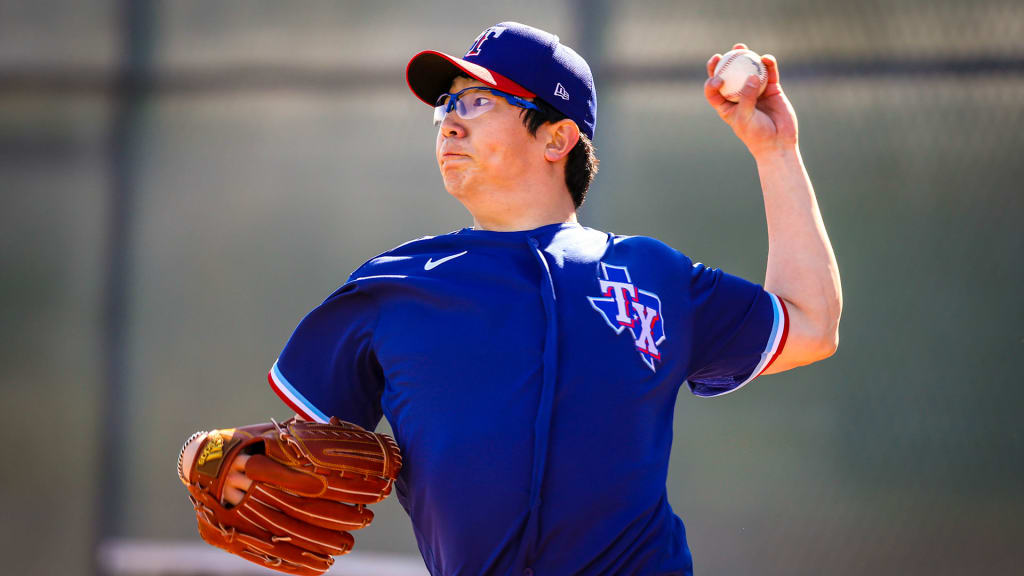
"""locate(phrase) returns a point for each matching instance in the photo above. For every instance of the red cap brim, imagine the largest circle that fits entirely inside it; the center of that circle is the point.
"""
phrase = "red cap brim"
(430, 74)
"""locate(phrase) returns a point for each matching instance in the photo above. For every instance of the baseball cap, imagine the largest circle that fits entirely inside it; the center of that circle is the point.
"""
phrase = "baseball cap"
(518, 59)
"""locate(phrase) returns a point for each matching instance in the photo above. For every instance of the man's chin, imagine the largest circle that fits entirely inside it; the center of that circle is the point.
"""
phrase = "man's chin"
(456, 182)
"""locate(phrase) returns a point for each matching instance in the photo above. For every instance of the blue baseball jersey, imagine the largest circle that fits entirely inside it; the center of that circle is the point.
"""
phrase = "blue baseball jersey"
(530, 378)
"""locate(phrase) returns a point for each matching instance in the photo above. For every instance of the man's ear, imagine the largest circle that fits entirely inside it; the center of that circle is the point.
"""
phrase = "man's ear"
(562, 137)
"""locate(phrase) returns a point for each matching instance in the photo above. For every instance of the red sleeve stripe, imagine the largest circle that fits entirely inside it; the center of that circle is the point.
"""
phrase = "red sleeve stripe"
(785, 333)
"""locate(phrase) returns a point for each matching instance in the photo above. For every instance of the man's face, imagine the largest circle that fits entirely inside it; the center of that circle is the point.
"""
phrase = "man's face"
(491, 152)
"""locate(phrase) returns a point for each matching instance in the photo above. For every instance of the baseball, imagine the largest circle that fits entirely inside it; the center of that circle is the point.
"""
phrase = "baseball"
(734, 68)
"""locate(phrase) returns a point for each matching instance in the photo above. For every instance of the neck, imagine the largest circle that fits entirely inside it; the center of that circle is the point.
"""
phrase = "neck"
(524, 206)
(512, 223)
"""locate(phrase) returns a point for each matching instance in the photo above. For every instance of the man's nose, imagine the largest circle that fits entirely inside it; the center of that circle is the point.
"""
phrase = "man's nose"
(451, 127)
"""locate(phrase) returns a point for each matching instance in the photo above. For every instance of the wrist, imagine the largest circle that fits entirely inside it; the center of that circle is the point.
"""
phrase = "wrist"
(776, 151)
(770, 156)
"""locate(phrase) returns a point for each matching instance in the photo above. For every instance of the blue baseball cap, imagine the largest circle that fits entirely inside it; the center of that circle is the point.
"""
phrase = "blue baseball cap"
(517, 59)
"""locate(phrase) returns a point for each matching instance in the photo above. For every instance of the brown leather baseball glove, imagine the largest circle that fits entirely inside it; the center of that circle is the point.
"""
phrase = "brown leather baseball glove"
(310, 485)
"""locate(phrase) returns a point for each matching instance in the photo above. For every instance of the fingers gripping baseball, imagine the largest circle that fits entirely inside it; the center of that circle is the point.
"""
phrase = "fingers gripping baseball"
(766, 122)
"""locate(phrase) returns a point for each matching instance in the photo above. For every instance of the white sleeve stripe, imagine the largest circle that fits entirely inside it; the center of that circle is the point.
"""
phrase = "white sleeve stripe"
(774, 338)
(283, 387)
(380, 276)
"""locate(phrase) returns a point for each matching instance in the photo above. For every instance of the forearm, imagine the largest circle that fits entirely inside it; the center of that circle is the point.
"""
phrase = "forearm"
(802, 268)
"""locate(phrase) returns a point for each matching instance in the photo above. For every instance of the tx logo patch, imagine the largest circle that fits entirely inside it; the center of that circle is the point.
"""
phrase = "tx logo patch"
(623, 305)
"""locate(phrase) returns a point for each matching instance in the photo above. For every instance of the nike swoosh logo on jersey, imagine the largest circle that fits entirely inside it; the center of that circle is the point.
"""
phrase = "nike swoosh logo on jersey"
(431, 263)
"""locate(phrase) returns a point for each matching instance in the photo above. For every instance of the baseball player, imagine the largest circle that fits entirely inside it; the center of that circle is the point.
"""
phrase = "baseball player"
(529, 365)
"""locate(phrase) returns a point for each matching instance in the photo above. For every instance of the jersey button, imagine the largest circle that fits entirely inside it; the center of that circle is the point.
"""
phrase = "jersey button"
(528, 572)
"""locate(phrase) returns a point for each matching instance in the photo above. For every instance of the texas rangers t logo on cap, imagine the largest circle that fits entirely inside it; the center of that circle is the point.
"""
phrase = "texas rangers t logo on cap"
(626, 306)
(492, 32)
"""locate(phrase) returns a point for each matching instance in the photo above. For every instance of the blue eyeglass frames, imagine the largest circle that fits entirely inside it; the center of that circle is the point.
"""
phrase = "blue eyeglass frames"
(476, 104)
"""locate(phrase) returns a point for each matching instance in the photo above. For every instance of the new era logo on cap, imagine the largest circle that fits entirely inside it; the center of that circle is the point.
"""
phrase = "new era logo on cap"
(518, 59)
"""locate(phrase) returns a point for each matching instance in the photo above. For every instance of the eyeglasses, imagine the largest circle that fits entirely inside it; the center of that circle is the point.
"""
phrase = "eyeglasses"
(475, 104)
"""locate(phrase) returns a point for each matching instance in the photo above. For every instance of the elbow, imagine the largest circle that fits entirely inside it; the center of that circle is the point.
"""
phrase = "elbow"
(825, 340)
(828, 342)
(821, 348)
(814, 331)
(829, 345)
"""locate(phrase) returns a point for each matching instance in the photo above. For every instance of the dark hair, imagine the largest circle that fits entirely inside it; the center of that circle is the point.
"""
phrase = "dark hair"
(581, 165)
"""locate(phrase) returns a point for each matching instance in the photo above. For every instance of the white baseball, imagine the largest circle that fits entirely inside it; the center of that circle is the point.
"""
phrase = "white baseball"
(735, 67)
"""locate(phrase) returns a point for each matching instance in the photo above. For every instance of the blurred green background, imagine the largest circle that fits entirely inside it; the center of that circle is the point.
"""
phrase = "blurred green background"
(263, 150)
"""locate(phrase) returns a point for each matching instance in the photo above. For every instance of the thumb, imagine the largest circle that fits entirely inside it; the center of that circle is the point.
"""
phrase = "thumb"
(714, 97)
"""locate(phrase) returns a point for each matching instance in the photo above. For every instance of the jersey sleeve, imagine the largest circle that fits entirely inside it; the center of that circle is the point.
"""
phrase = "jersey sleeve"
(739, 329)
(328, 367)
